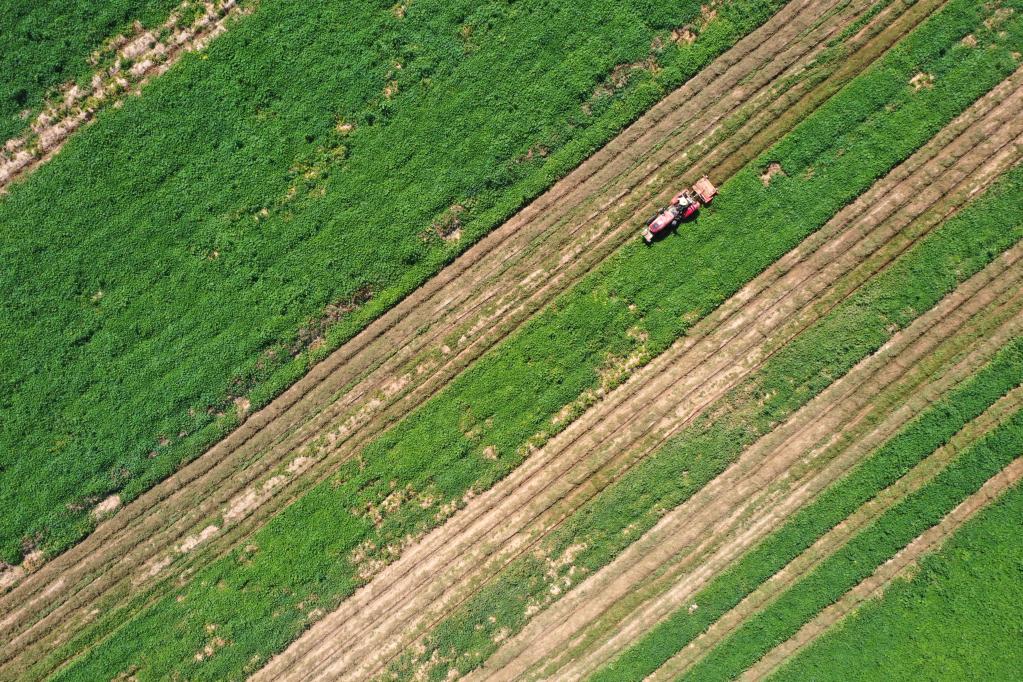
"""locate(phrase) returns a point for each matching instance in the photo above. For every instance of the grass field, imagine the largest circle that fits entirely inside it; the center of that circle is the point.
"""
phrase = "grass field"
(221, 247)
(949, 620)
(503, 438)
(437, 453)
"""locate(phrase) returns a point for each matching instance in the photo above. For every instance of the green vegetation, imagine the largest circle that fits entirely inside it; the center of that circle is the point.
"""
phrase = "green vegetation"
(260, 599)
(859, 558)
(951, 621)
(198, 244)
(47, 44)
(916, 441)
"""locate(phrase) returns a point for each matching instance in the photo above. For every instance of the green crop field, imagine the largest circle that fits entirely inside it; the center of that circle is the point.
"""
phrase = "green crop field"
(216, 242)
(543, 448)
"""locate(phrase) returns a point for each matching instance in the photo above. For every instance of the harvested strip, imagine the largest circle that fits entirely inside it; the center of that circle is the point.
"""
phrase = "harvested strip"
(715, 503)
(536, 461)
(149, 58)
(826, 545)
(232, 507)
(926, 543)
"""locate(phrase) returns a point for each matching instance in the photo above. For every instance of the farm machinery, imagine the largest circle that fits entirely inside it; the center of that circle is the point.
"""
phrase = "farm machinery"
(683, 206)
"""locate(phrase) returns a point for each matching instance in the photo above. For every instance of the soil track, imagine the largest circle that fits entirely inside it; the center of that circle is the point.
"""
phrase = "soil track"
(832, 541)
(700, 525)
(61, 592)
(928, 542)
(478, 531)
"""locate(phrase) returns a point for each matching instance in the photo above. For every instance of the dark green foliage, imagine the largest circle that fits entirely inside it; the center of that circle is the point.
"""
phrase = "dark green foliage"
(183, 250)
(46, 44)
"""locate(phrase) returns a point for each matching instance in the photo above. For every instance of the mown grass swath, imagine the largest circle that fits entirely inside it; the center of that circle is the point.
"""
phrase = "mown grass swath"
(863, 554)
(305, 556)
(952, 619)
(48, 44)
(797, 373)
(265, 199)
(924, 435)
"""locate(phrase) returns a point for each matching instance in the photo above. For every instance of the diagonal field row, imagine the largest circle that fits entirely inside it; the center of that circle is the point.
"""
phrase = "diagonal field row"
(542, 460)
(693, 530)
(600, 591)
(825, 546)
(179, 521)
(928, 542)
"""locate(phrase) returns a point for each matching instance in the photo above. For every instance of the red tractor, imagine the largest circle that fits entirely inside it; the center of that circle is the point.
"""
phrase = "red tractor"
(683, 206)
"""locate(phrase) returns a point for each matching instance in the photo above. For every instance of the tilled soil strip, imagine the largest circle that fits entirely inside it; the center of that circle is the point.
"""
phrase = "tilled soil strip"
(172, 485)
(538, 461)
(928, 542)
(831, 542)
(77, 106)
(690, 524)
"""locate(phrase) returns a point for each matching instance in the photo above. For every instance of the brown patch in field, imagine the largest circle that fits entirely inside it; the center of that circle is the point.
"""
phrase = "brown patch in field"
(343, 127)
(970, 41)
(391, 89)
(998, 18)
(684, 35)
(774, 168)
(107, 506)
(534, 151)
(399, 10)
(490, 452)
(449, 226)
(922, 80)
(242, 406)
(193, 541)
(212, 646)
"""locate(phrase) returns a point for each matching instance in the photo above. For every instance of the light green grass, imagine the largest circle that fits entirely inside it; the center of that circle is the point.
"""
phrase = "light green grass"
(957, 618)
(190, 247)
(260, 600)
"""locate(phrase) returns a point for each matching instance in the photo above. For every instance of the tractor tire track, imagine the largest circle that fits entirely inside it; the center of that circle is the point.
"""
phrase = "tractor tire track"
(928, 542)
(829, 543)
(457, 524)
(176, 485)
(554, 629)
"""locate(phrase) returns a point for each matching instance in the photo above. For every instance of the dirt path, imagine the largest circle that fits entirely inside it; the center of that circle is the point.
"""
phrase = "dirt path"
(479, 531)
(721, 508)
(229, 475)
(923, 473)
(149, 57)
(928, 542)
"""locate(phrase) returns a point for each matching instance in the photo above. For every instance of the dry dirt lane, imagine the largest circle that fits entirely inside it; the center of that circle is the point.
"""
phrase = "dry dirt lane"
(281, 425)
(929, 541)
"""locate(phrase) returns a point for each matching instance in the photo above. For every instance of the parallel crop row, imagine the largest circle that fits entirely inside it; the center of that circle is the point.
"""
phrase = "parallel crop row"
(928, 432)
(952, 619)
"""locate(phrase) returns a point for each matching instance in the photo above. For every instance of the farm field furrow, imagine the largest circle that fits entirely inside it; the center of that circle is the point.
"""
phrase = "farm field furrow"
(73, 556)
(831, 541)
(166, 320)
(968, 587)
(861, 556)
(555, 626)
(992, 490)
(932, 417)
(674, 365)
